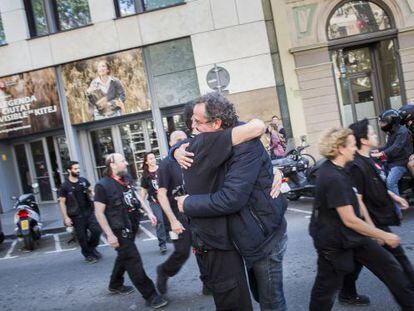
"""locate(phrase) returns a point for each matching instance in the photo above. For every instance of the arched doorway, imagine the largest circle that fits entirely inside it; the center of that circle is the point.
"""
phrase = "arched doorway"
(364, 50)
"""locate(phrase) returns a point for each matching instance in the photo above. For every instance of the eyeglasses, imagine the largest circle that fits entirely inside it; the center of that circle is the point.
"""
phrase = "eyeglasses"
(197, 123)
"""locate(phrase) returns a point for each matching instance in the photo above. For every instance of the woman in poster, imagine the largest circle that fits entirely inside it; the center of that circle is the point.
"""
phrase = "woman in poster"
(106, 94)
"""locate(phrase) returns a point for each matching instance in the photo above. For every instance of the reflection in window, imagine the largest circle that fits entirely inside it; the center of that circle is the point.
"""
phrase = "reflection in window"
(126, 7)
(72, 13)
(39, 17)
(2, 35)
(156, 4)
(103, 145)
(357, 17)
(173, 72)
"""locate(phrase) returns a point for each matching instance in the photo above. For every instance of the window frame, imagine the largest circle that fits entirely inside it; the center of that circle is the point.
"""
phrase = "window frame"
(52, 18)
(140, 8)
(379, 3)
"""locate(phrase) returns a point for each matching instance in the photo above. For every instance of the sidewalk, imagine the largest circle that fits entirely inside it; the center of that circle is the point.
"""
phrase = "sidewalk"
(49, 214)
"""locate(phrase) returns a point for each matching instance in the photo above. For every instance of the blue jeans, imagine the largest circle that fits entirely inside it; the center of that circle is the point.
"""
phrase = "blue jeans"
(269, 278)
(394, 176)
(161, 231)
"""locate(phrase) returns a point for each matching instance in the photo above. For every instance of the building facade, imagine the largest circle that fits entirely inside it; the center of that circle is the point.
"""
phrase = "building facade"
(81, 79)
(344, 60)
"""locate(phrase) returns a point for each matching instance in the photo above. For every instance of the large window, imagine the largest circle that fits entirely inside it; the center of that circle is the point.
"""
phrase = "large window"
(357, 17)
(173, 72)
(49, 16)
(2, 35)
(129, 7)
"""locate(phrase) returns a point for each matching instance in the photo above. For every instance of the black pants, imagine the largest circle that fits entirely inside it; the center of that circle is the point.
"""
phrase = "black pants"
(129, 260)
(224, 275)
(82, 224)
(349, 283)
(379, 261)
(182, 249)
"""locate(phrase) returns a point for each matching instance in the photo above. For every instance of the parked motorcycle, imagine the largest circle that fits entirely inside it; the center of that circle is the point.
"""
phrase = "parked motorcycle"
(299, 171)
(27, 219)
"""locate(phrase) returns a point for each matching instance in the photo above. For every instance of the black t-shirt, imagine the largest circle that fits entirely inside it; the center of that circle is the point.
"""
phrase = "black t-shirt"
(170, 177)
(369, 179)
(126, 195)
(150, 183)
(79, 190)
(206, 175)
(334, 188)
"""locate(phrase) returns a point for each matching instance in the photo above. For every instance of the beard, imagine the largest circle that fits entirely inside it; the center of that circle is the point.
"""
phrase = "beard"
(74, 174)
(122, 174)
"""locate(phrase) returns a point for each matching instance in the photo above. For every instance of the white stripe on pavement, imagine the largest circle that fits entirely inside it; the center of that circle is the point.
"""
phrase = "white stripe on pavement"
(147, 232)
(104, 241)
(8, 255)
(58, 247)
(299, 211)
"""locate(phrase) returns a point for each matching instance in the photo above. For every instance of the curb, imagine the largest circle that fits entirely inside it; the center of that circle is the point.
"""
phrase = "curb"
(45, 231)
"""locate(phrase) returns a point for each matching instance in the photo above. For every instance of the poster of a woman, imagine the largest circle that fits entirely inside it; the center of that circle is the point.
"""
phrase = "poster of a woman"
(107, 86)
(106, 95)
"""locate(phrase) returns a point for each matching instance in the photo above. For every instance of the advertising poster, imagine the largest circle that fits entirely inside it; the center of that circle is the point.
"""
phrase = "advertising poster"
(105, 87)
(29, 103)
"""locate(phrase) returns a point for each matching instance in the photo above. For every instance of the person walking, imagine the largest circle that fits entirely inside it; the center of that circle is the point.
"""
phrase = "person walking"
(369, 181)
(149, 189)
(77, 212)
(341, 236)
(116, 208)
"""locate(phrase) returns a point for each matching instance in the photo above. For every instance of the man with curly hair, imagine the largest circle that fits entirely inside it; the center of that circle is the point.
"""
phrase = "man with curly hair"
(242, 198)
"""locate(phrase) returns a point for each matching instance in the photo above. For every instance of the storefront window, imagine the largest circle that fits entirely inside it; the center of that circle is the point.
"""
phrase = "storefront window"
(174, 123)
(2, 35)
(102, 145)
(72, 13)
(173, 72)
(357, 17)
(126, 7)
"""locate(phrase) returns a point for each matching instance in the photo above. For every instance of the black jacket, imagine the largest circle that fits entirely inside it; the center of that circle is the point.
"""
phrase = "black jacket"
(399, 146)
(256, 221)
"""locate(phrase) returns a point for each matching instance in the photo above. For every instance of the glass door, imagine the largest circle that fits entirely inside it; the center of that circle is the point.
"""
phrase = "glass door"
(367, 81)
(102, 145)
(138, 138)
(41, 170)
(23, 168)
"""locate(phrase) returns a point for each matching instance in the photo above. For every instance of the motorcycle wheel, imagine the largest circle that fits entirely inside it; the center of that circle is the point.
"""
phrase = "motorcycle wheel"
(310, 158)
(292, 196)
(28, 242)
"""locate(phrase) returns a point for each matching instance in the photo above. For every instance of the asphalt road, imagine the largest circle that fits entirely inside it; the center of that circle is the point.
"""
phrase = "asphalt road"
(54, 277)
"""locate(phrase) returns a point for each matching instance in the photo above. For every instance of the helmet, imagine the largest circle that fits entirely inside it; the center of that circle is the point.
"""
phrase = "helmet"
(406, 114)
(389, 119)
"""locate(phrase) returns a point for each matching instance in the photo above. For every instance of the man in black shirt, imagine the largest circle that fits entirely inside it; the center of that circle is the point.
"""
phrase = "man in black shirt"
(170, 182)
(116, 208)
(370, 183)
(77, 211)
(341, 236)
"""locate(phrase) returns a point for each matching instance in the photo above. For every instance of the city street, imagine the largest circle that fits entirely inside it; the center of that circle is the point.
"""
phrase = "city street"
(54, 276)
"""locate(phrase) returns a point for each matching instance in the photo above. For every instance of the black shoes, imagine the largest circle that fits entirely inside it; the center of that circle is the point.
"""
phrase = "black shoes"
(161, 281)
(91, 260)
(122, 290)
(156, 301)
(358, 300)
(163, 249)
(96, 254)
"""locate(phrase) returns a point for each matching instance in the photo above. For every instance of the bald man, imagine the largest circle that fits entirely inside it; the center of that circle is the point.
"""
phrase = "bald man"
(170, 182)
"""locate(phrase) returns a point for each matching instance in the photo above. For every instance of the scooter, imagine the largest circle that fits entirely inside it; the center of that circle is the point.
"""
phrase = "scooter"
(299, 175)
(27, 219)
